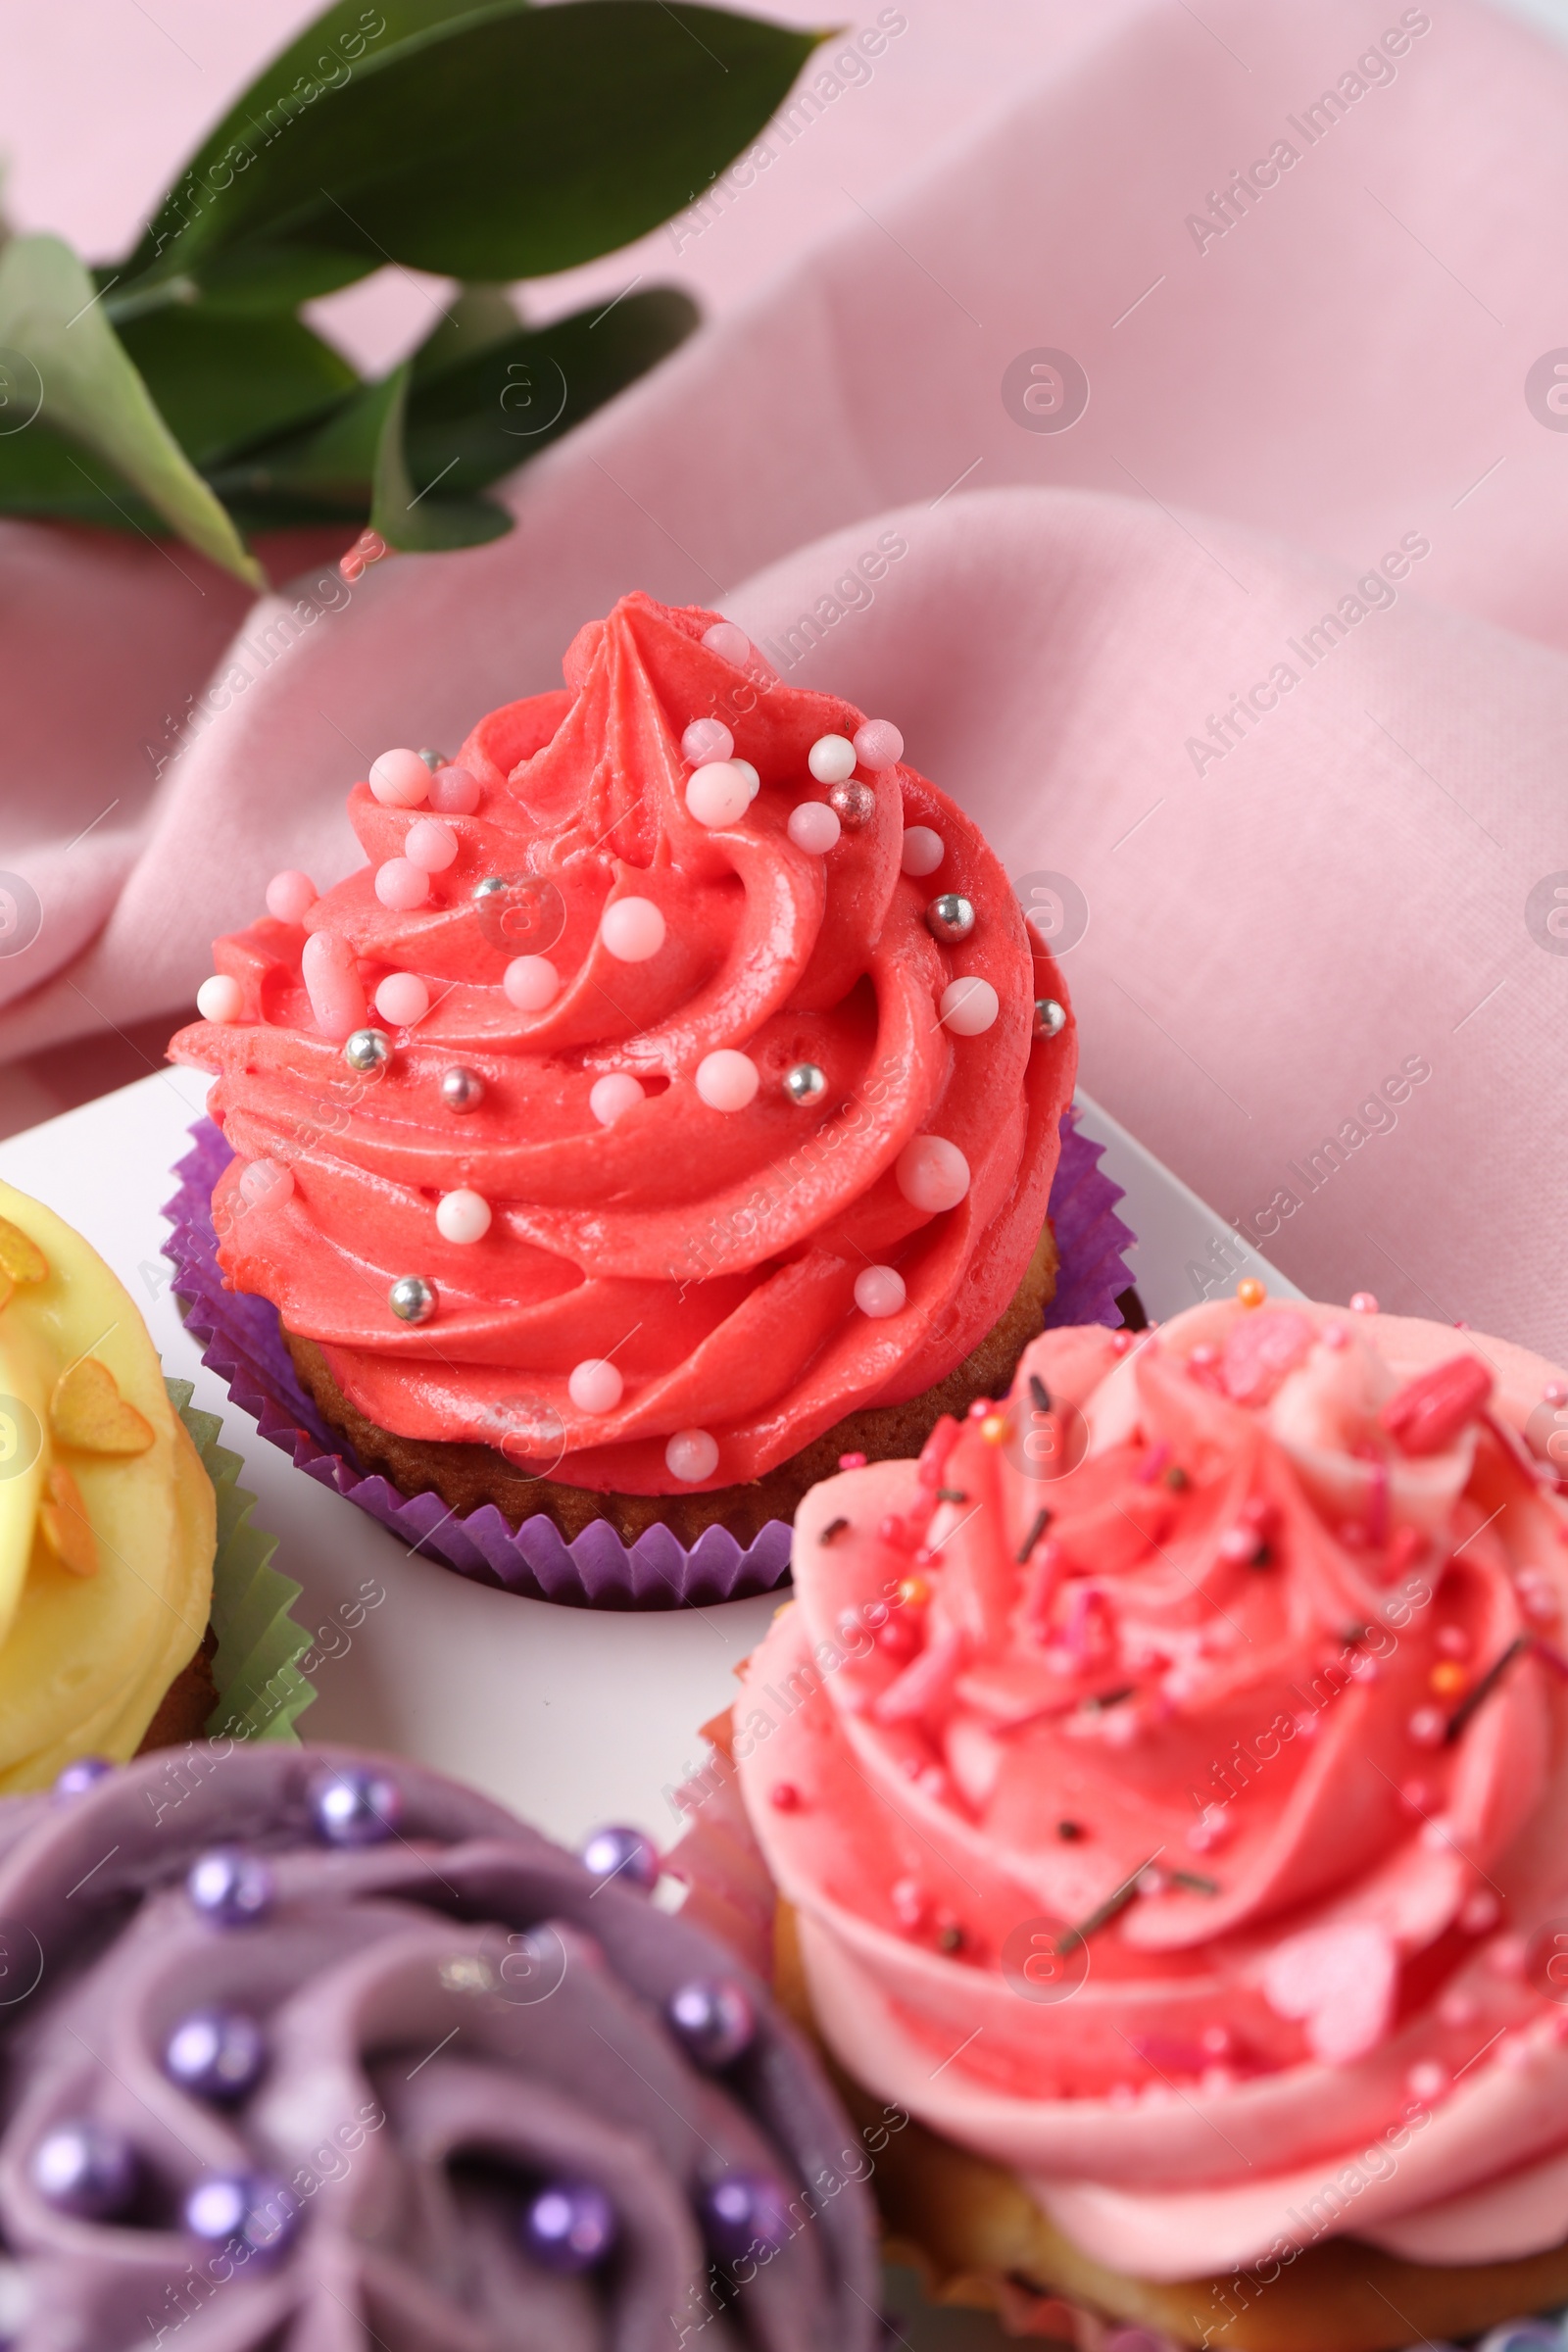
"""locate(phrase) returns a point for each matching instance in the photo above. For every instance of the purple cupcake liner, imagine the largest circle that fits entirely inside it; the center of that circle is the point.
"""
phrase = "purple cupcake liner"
(241, 1342)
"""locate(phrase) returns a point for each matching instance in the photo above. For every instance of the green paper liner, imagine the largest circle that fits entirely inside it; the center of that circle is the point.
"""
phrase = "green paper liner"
(260, 1691)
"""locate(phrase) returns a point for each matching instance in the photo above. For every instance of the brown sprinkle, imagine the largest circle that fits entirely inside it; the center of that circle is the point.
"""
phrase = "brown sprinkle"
(1042, 1522)
(833, 1529)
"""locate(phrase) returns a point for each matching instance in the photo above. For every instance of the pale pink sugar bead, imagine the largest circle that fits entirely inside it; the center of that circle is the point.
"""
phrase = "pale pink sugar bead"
(290, 896)
(402, 885)
(923, 850)
(744, 768)
(690, 1455)
(932, 1174)
(728, 641)
(1427, 2081)
(718, 794)
(879, 1291)
(1428, 1726)
(632, 930)
(1362, 1302)
(595, 1386)
(430, 846)
(1513, 2053)
(1508, 1956)
(531, 982)
(333, 984)
(267, 1183)
(612, 1097)
(400, 779)
(1457, 2010)
(462, 1216)
(453, 791)
(706, 739)
(221, 998)
(969, 1006)
(1482, 1911)
(727, 1080)
(814, 827)
(403, 999)
(831, 758)
(878, 744)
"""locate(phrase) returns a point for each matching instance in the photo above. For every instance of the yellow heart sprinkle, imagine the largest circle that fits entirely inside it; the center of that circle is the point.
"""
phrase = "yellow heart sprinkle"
(66, 1528)
(20, 1255)
(88, 1411)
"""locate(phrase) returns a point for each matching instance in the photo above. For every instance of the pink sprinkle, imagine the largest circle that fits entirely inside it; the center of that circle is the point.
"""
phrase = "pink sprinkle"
(1362, 1302)
(1437, 1838)
(402, 885)
(706, 739)
(1555, 1392)
(1481, 1912)
(332, 984)
(403, 999)
(1334, 1334)
(728, 641)
(1427, 1727)
(852, 1462)
(784, 1797)
(813, 827)
(878, 744)
(1453, 1641)
(1217, 2040)
(1513, 2053)
(290, 896)
(1415, 1797)
(453, 791)
(1508, 1956)
(430, 846)
(400, 779)
(1457, 2009)
(1427, 2081)
(1120, 1341)
(909, 1902)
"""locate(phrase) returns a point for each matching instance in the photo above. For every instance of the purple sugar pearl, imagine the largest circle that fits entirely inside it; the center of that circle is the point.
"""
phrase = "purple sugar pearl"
(215, 2053)
(229, 1886)
(743, 2214)
(242, 2209)
(713, 2018)
(617, 1852)
(86, 2169)
(1522, 2335)
(79, 1777)
(569, 2225)
(353, 1805)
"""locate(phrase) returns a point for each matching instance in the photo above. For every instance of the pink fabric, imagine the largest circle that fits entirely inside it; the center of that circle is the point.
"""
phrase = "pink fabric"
(1343, 892)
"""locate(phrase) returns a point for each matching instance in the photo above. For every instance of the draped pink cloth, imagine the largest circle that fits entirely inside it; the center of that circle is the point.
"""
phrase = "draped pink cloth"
(1319, 379)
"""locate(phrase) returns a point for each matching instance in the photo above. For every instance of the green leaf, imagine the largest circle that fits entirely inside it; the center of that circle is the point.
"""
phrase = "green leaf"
(223, 382)
(500, 142)
(44, 475)
(416, 520)
(494, 408)
(90, 390)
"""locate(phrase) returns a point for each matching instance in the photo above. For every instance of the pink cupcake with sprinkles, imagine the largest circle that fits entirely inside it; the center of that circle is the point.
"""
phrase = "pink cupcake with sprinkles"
(1166, 1782)
(668, 1109)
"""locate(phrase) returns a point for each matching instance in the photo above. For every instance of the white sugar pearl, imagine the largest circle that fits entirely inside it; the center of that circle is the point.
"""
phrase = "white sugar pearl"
(831, 758)
(879, 1291)
(400, 779)
(462, 1216)
(531, 982)
(610, 1098)
(402, 885)
(932, 1173)
(403, 999)
(706, 739)
(430, 845)
(969, 1006)
(718, 794)
(632, 930)
(266, 1181)
(923, 850)
(690, 1455)
(814, 827)
(728, 641)
(727, 1080)
(753, 782)
(595, 1386)
(878, 744)
(220, 999)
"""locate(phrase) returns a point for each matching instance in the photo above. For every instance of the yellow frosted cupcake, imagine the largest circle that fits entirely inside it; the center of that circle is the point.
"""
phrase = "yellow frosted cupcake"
(107, 1516)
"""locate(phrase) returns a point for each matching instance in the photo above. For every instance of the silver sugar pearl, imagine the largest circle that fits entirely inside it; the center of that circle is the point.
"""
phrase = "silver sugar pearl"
(488, 888)
(806, 1083)
(949, 918)
(411, 1299)
(854, 805)
(461, 1090)
(367, 1049)
(1050, 1018)
(434, 759)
